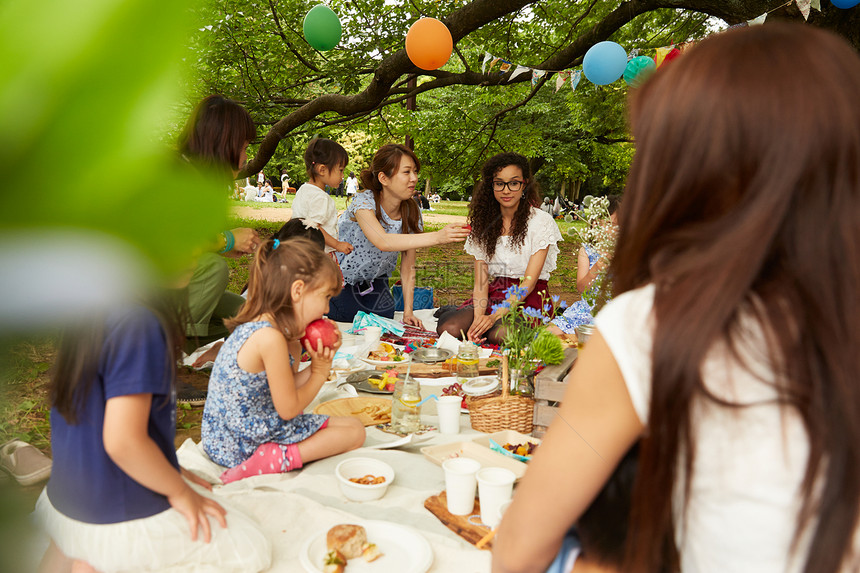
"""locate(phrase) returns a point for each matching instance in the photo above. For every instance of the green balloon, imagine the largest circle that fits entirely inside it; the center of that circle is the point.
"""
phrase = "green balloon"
(322, 28)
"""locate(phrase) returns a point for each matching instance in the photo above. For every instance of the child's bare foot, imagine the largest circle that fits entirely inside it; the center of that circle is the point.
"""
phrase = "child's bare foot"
(209, 355)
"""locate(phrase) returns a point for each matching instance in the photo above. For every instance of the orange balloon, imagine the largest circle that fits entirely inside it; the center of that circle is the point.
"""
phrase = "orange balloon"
(429, 43)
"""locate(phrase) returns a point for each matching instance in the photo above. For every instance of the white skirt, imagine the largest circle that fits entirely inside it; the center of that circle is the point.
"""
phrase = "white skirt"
(159, 542)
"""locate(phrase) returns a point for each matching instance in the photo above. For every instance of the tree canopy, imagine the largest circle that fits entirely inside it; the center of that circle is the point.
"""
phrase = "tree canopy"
(254, 51)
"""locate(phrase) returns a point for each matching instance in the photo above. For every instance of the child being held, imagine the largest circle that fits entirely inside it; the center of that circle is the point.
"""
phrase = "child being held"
(325, 161)
(253, 421)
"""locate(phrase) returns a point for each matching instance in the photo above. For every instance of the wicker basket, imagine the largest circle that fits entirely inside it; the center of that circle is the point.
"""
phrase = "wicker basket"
(504, 412)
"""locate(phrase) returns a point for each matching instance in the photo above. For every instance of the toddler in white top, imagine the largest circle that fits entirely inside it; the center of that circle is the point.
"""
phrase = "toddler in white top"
(325, 161)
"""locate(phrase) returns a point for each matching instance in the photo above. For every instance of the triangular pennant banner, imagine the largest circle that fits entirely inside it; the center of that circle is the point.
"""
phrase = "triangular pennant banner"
(758, 21)
(504, 67)
(816, 4)
(661, 54)
(560, 78)
(574, 79)
(487, 57)
(536, 75)
(519, 70)
(493, 63)
(804, 6)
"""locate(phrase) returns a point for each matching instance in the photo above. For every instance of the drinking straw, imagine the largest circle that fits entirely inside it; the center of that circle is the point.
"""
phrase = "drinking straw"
(434, 396)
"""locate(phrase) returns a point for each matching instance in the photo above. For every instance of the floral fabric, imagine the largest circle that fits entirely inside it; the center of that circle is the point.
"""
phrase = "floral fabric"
(580, 311)
(366, 262)
(239, 415)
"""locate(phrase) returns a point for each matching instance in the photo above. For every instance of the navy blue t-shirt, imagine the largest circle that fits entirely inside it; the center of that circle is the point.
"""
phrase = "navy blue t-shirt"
(85, 484)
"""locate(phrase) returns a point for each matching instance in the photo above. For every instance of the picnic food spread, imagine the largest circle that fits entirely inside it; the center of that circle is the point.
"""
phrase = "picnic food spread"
(387, 353)
(525, 449)
(385, 382)
(346, 542)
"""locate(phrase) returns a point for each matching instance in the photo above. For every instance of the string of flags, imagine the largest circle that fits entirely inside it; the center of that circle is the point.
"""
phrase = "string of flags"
(635, 68)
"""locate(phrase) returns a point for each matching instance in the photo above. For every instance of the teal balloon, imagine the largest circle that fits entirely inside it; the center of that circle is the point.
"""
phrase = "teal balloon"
(845, 4)
(638, 70)
(604, 63)
(322, 28)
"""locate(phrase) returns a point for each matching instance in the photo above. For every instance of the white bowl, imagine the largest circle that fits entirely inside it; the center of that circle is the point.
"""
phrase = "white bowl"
(360, 467)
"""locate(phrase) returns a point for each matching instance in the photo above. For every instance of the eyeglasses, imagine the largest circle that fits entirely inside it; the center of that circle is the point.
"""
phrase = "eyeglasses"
(514, 185)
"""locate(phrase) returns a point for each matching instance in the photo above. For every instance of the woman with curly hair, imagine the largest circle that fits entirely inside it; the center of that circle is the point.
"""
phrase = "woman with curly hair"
(512, 241)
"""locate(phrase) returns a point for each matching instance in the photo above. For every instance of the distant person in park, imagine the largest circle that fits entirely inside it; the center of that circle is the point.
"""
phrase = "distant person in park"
(512, 241)
(117, 499)
(546, 206)
(730, 349)
(383, 222)
(351, 187)
(325, 161)
(215, 138)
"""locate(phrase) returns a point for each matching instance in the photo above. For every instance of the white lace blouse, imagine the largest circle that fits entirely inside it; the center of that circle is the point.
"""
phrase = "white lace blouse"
(512, 262)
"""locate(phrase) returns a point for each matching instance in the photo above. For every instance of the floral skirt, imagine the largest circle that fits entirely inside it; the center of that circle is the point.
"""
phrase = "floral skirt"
(576, 314)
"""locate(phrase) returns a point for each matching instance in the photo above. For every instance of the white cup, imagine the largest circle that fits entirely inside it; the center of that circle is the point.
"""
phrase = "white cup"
(460, 484)
(372, 334)
(495, 487)
(448, 408)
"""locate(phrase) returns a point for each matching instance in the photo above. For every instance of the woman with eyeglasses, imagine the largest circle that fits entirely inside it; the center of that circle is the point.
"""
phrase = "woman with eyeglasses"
(512, 241)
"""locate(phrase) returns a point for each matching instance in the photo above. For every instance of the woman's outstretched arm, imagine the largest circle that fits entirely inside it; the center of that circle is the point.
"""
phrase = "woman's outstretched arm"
(387, 242)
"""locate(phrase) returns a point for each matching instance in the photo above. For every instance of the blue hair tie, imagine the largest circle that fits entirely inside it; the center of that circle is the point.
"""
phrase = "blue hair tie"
(277, 244)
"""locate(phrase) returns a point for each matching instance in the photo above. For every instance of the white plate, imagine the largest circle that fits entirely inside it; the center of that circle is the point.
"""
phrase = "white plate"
(386, 362)
(405, 550)
(480, 385)
(379, 440)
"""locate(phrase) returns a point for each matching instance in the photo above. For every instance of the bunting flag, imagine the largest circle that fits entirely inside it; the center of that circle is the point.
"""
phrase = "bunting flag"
(560, 78)
(804, 6)
(661, 54)
(487, 57)
(574, 79)
(493, 63)
(519, 70)
(504, 67)
(758, 21)
(536, 75)
(816, 4)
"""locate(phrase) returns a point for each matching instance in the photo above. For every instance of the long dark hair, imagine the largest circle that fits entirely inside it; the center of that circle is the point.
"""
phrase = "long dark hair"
(276, 267)
(81, 347)
(485, 213)
(215, 133)
(387, 160)
(743, 199)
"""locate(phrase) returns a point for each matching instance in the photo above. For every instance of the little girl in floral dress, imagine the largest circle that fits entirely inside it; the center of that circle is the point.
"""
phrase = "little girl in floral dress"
(253, 421)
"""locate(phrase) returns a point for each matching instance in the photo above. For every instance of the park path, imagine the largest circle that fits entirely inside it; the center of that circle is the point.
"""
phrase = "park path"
(285, 213)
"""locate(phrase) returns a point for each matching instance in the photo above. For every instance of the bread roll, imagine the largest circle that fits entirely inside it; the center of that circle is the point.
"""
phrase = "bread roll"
(348, 539)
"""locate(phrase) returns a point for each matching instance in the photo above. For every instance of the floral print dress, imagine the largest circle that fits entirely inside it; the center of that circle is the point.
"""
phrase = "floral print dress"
(240, 415)
(580, 311)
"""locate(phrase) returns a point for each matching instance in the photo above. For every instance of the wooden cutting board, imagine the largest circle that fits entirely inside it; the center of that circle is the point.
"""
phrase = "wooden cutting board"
(442, 369)
(370, 410)
(459, 524)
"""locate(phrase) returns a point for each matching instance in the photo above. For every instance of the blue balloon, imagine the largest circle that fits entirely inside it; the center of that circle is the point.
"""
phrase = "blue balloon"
(845, 4)
(604, 63)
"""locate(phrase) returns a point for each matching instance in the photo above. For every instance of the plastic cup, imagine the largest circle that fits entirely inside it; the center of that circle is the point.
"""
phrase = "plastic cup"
(448, 409)
(460, 484)
(372, 334)
(495, 487)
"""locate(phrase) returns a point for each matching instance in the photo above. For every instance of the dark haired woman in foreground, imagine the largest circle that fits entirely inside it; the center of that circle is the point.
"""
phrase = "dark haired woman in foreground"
(730, 348)
(512, 240)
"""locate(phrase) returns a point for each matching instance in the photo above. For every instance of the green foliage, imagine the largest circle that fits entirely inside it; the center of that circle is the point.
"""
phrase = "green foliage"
(84, 108)
(548, 348)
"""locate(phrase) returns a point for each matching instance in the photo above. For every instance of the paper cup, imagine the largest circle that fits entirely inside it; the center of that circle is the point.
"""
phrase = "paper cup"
(460, 484)
(372, 334)
(495, 487)
(448, 409)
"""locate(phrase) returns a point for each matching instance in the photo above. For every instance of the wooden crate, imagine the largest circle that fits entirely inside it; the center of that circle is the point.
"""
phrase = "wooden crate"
(550, 387)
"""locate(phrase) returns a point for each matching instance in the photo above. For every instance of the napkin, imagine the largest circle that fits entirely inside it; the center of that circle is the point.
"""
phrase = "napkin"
(449, 342)
(364, 319)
